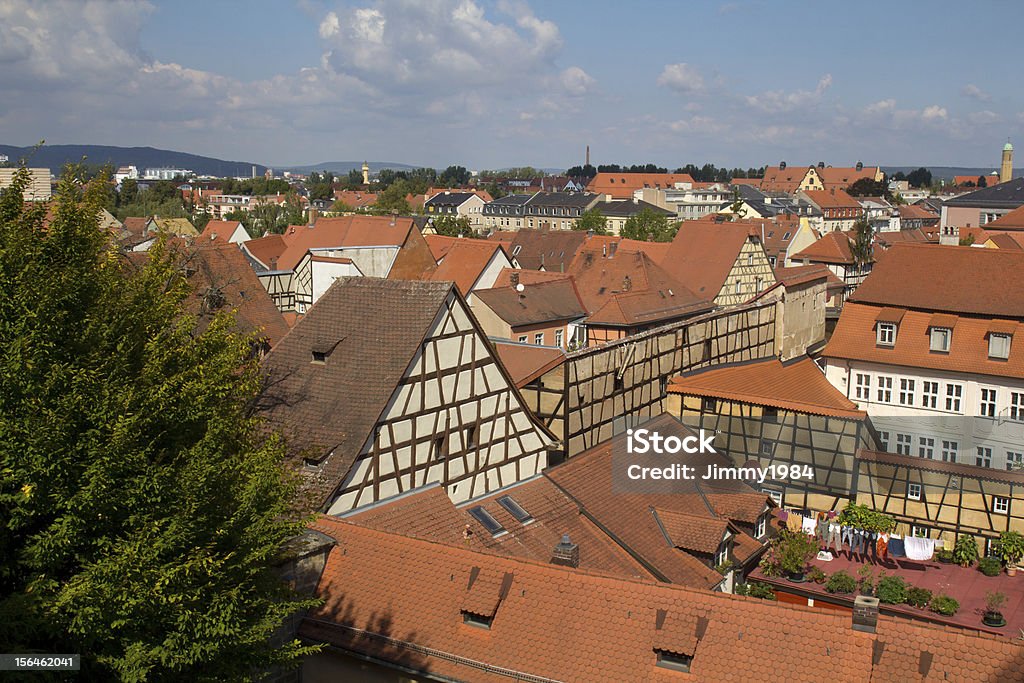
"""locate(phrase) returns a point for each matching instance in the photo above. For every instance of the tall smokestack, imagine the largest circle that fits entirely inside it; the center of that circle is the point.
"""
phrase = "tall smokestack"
(588, 155)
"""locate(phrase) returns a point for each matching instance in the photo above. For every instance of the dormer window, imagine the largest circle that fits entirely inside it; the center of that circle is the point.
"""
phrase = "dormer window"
(887, 334)
(940, 339)
(673, 660)
(999, 346)
(319, 357)
(477, 620)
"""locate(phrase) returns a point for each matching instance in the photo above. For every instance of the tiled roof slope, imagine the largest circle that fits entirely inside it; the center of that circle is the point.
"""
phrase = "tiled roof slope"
(947, 278)
(222, 271)
(855, 339)
(797, 385)
(622, 185)
(464, 262)
(346, 231)
(526, 362)
(570, 625)
(703, 253)
(832, 199)
(843, 177)
(370, 330)
(628, 516)
(1008, 195)
(1011, 221)
(833, 247)
(267, 250)
(552, 250)
(537, 303)
(218, 231)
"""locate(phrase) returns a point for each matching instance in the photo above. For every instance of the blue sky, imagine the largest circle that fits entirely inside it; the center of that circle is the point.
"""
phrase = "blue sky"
(491, 84)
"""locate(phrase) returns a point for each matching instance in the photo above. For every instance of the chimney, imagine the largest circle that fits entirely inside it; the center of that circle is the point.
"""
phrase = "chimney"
(865, 614)
(273, 263)
(635, 200)
(612, 247)
(313, 215)
(514, 278)
(588, 155)
(627, 284)
(604, 251)
(567, 554)
(394, 218)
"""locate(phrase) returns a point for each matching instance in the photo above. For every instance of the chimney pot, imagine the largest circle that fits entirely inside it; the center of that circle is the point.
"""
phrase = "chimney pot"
(865, 614)
(514, 278)
(567, 553)
(627, 284)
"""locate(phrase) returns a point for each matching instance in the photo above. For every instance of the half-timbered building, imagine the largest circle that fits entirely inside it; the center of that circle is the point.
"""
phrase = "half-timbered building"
(386, 386)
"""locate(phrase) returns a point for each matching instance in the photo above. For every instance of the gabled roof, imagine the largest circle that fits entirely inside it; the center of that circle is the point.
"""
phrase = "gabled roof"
(345, 231)
(136, 225)
(357, 199)
(987, 282)
(627, 288)
(219, 231)
(528, 277)
(622, 185)
(703, 253)
(855, 339)
(222, 280)
(267, 250)
(547, 302)
(797, 385)
(833, 247)
(449, 198)
(831, 199)
(1007, 240)
(794, 276)
(181, 227)
(786, 179)
(559, 199)
(888, 238)
(625, 208)
(559, 624)
(1011, 221)
(527, 362)
(370, 329)
(465, 260)
(1008, 195)
(915, 211)
(552, 250)
(842, 177)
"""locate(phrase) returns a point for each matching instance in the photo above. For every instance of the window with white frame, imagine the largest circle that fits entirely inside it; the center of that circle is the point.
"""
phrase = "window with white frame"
(954, 393)
(1000, 505)
(919, 531)
(929, 394)
(738, 287)
(1014, 460)
(886, 334)
(538, 339)
(722, 555)
(984, 457)
(999, 346)
(523, 339)
(863, 389)
(940, 338)
(903, 443)
(885, 389)
(1017, 406)
(914, 491)
(906, 392)
(988, 402)
(926, 447)
(558, 337)
(762, 526)
(949, 450)
(883, 440)
(774, 495)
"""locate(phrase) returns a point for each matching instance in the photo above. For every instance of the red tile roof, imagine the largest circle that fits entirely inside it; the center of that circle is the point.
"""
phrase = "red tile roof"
(987, 282)
(855, 339)
(218, 231)
(832, 199)
(833, 247)
(797, 385)
(355, 198)
(346, 231)
(526, 362)
(543, 302)
(841, 177)
(622, 185)
(465, 260)
(794, 276)
(704, 252)
(1007, 240)
(1011, 221)
(528, 277)
(913, 211)
(783, 179)
(267, 250)
(561, 624)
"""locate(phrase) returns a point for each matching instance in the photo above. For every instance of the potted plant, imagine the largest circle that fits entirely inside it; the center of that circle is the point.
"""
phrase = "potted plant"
(1011, 549)
(918, 597)
(993, 601)
(944, 605)
(965, 550)
(990, 566)
(892, 590)
(945, 556)
(841, 582)
(867, 580)
(816, 575)
(794, 551)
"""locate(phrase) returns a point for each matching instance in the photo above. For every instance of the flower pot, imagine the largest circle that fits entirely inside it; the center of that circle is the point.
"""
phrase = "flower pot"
(1011, 570)
(945, 560)
(993, 619)
(795, 577)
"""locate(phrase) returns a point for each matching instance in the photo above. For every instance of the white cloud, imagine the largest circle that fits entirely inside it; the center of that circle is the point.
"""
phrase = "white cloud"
(779, 101)
(974, 92)
(330, 25)
(681, 77)
(576, 81)
(697, 124)
(934, 113)
(983, 118)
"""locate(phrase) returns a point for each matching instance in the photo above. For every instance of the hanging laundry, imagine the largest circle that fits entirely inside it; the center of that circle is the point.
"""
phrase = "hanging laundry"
(920, 549)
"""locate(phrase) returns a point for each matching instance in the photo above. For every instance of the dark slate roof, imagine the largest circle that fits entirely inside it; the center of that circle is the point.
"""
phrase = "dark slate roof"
(511, 200)
(370, 330)
(1008, 195)
(629, 207)
(749, 192)
(538, 303)
(566, 199)
(551, 249)
(449, 199)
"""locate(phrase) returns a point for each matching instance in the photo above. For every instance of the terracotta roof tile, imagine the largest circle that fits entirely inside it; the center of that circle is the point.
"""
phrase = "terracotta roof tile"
(1011, 221)
(346, 231)
(267, 250)
(546, 302)
(218, 231)
(704, 252)
(465, 261)
(622, 185)
(526, 362)
(833, 247)
(692, 532)
(796, 385)
(831, 199)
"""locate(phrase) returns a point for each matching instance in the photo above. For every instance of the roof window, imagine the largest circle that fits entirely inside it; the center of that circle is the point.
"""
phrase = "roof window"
(515, 509)
(488, 521)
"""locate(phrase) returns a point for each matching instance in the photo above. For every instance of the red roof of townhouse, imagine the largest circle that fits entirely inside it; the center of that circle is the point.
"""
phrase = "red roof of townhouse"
(622, 185)
(267, 250)
(464, 261)
(1011, 221)
(534, 304)
(832, 247)
(218, 232)
(841, 177)
(703, 253)
(527, 362)
(357, 199)
(788, 179)
(832, 199)
(796, 385)
(346, 231)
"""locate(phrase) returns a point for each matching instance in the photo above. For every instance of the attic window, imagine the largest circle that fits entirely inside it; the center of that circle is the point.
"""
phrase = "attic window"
(999, 346)
(488, 521)
(319, 357)
(786, 236)
(515, 509)
(673, 660)
(940, 339)
(477, 620)
(886, 334)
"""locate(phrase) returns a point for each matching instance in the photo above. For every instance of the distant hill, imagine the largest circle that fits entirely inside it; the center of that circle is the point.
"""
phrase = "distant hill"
(343, 167)
(55, 156)
(947, 172)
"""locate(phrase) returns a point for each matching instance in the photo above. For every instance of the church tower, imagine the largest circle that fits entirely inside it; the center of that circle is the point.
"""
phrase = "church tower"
(1006, 169)
(366, 173)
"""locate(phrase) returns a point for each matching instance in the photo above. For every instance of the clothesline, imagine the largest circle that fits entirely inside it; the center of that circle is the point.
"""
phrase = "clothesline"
(833, 535)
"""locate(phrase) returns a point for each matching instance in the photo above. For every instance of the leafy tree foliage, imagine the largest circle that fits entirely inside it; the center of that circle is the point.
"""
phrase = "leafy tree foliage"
(453, 226)
(860, 246)
(320, 186)
(393, 199)
(922, 177)
(592, 219)
(585, 171)
(982, 182)
(141, 506)
(254, 186)
(454, 176)
(649, 225)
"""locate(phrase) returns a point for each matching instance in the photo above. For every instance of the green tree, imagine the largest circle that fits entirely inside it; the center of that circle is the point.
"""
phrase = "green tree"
(736, 208)
(649, 225)
(592, 220)
(454, 176)
(452, 226)
(861, 243)
(393, 199)
(129, 191)
(922, 177)
(141, 505)
(982, 182)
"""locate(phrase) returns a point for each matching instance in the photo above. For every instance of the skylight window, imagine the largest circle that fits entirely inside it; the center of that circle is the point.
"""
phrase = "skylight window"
(515, 509)
(488, 521)
(673, 660)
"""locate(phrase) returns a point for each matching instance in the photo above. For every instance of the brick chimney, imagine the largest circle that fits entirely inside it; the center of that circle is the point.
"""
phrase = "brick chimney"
(627, 284)
(313, 215)
(513, 278)
(567, 554)
(865, 614)
(394, 217)
(273, 263)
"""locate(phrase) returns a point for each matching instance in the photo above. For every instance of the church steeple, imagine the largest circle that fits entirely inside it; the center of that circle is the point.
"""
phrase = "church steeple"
(1006, 168)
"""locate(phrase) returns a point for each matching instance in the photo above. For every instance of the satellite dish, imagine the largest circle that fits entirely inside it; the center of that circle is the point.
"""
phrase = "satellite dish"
(520, 287)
